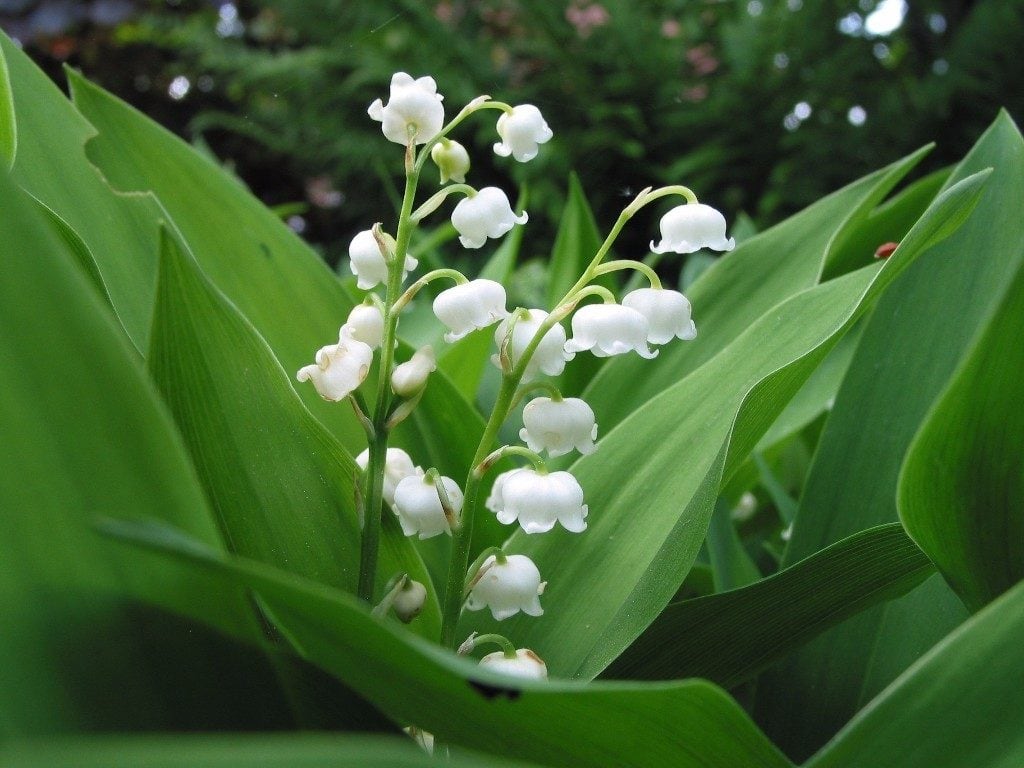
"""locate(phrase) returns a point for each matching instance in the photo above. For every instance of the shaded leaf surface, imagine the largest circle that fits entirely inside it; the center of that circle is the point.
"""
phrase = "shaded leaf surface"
(728, 637)
(687, 723)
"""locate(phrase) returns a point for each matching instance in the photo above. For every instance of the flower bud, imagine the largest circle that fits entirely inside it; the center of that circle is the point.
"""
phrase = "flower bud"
(488, 213)
(409, 602)
(558, 426)
(340, 368)
(367, 324)
(368, 263)
(467, 307)
(538, 501)
(608, 329)
(521, 130)
(667, 313)
(414, 110)
(410, 377)
(397, 466)
(507, 587)
(419, 508)
(549, 357)
(525, 664)
(451, 159)
(688, 228)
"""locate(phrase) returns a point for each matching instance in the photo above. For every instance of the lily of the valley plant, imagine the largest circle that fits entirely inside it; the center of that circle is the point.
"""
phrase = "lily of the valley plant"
(531, 343)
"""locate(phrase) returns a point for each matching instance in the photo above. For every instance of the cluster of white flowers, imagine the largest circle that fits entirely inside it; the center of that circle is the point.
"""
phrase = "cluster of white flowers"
(530, 343)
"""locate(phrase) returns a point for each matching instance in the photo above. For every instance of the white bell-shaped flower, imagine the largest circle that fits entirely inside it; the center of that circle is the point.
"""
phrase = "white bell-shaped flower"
(367, 324)
(368, 263)
(451, 159)
(508, 588)
(414, 110)
(340, 368)
(538, 500)
(548, 358)
(397, 466)
(464, 308)
(521, 130)
(525, 664)
(494, 499)
(409, 602)
(688, 228)
(608, 329)
(410, 377)
(418, 505)
(558, 426)
(488, 213)
(667, 313)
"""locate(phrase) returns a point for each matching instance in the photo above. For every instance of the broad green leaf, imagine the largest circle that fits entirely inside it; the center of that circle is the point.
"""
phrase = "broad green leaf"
(85, 435)
(962, 485)
(79, 250)
(554, 723)
(50, 164)
(817, 394)
(281, 485)
(649, 517)
(909, 348)
(235, 751)
(741, 287)
(729, 637)
(962, 704)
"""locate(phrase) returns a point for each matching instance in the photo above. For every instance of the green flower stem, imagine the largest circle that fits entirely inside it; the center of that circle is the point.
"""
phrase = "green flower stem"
(675, 189)
(379, 445)
(504, 642)
(434, 201)
(475, 105)
(436, 274)
(510, 450)
(638, 266)
(591, 290)
(645, 197)
(537, 386)
(462, 536)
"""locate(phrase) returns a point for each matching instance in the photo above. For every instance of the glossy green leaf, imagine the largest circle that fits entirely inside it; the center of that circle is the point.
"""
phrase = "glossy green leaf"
(962, 485)
(235, 751)
(646, 526)
(120, 232)
(817, 394)
(962, 704)
(729, 637)
(281, 485)
(741, 287)
(685, 723)
(88, 641)
(910, 347)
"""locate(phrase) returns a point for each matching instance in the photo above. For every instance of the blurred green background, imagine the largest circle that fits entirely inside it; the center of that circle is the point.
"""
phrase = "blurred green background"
(761, 106)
